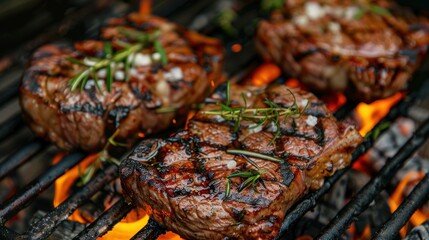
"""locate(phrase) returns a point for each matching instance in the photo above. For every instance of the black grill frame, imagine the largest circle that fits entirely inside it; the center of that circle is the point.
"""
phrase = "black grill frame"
(44, 227)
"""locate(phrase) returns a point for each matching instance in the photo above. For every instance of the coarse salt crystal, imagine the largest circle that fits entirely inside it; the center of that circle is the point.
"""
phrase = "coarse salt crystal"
(311, 120)
(334, 27)
(254, 128)
(176, 73)
(350, 12)
(140, 59)
(102, 73)
(301, 20)
(231, 164)
(313, 10)
(89, 84)
(156, 56)
(303, 103)
(120, 75)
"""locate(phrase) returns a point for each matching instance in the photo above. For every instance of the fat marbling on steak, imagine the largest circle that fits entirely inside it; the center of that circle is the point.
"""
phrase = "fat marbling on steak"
(84, 119)
(370, 49)
(181, 180)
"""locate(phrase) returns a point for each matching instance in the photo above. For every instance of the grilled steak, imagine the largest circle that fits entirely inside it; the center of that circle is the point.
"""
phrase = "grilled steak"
(143, 86)
(182, 181)
(368, 48)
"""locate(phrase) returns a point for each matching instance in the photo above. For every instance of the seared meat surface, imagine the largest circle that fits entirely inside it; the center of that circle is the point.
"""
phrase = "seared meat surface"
(182, 181)
(368, 48)
(142, 87)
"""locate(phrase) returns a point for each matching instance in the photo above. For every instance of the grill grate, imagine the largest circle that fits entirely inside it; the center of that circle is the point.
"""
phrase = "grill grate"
(185, 12)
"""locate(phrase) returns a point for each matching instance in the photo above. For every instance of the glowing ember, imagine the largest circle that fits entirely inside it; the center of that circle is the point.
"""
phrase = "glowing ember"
(125, 229)
(145, 7)
(371, 114)
(264, 74)
(236, 48)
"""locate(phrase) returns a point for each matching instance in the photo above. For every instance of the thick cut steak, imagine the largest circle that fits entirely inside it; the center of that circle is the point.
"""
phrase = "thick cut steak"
(182, 180)
(370, 49)
(85, 118)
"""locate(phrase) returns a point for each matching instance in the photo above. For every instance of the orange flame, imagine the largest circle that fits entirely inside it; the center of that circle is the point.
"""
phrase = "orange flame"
(264, 74)
(125, 229)
(145, 7)
(409, 180)
(371, 114)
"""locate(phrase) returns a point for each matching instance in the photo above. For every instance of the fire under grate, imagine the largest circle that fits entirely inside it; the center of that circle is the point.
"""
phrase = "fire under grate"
(189, 13)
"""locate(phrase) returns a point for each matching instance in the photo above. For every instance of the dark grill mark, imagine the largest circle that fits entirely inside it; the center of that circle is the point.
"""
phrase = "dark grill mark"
(118, 113)
(97, 110)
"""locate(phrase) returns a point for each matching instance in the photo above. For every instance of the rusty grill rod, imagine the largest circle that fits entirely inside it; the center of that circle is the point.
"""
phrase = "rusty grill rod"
(366, 195)
(21, 156)
(106, 221)
(308, 203)
(418, 196)
(46, 225)
(19, 201)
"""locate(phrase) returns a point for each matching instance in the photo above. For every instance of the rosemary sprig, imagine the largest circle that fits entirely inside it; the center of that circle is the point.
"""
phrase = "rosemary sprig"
(102, 156)
(80, 78)
(143, 40)
(251, 177)
(260, 116)
(255, 155)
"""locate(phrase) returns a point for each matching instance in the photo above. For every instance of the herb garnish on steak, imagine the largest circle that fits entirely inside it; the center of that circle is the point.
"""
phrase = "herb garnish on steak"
(212, 182)
(140, 66)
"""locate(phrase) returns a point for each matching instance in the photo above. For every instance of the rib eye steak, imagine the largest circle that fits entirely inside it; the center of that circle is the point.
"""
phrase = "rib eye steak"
(171, 73)
(370, 49)
(233, 175)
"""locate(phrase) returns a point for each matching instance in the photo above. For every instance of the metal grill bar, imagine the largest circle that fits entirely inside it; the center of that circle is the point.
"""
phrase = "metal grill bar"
(9, 92)
(20, 157)
(364, 197)
(11, 125)
(418, 196)
(19, 201)
(106, 221)
(150, 232)
(45, 226)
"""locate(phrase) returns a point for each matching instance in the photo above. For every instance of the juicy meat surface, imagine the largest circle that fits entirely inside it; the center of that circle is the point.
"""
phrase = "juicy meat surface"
(182, 180)
(85, 118)
(370, 49)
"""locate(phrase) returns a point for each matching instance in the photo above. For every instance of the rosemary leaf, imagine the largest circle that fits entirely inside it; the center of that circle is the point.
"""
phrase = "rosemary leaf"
(161, 51)
(244, 99)
(109, 78)
(228, 93)
(168, 109)
(360, 11)
(75, 61)
(245, 174)
(94, 74)
(245, 184)
(255, 155)
(228, 188)
(84, 80)
(78, 79)
(379, 10)
(107, 50)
